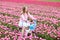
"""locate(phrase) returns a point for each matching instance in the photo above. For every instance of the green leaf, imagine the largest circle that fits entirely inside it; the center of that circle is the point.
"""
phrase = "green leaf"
(2, 35)
(47, 37)
(55, 26)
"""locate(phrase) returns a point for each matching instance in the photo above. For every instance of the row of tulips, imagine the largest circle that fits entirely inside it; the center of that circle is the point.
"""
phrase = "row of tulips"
(48, 24)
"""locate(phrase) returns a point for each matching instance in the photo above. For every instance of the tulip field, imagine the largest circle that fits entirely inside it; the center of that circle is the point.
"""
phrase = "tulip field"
(48, 21)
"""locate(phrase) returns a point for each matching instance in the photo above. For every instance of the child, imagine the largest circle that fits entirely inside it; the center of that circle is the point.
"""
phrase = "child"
(32, 27)
(24, 22)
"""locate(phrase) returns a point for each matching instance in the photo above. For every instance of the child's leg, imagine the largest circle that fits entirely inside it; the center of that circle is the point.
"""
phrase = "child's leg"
(23, 31)
(28, 32)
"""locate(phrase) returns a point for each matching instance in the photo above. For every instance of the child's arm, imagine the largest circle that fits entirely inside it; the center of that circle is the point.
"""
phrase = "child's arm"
(31, 16)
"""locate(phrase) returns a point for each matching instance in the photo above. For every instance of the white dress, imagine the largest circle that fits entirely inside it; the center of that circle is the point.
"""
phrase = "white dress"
(23, 23)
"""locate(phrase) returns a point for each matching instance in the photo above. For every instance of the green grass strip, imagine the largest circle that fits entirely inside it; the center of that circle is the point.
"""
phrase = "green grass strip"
(9, 25)
(6, 14)
(47, 37)
(52, 0)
